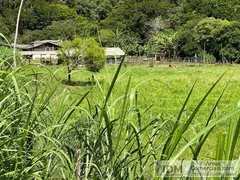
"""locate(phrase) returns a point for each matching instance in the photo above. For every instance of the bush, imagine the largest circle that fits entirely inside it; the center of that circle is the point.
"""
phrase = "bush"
(208, 57)
(94, 55)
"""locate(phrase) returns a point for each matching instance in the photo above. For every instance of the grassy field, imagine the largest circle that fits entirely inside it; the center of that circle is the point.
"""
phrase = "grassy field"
(119, 127)
(163, 88)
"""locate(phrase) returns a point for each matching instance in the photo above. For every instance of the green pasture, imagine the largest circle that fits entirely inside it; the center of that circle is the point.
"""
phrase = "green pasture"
(161, 90)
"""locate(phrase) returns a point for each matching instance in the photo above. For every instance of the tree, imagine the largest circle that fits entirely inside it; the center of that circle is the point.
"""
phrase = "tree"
(79, 51)
(94, 10)
(41, 14)
(213, 8)
(187, 45)
(71, 53)
(203, 34)
(106, 37)
(62, 30)
(158, 24)
(204, 30)
(93, 55)
(165, 41)
(133, 16)
(227, 41)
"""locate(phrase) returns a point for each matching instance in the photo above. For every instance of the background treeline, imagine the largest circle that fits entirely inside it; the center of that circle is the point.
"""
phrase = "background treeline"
(140, 27)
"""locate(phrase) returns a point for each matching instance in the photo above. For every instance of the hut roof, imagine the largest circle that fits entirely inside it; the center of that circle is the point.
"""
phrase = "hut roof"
(114, 51)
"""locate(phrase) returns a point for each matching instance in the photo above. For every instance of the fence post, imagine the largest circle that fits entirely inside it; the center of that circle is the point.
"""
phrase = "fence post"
(78, 166)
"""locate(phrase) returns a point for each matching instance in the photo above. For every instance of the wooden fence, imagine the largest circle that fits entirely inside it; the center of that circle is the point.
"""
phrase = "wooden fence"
(152, 60)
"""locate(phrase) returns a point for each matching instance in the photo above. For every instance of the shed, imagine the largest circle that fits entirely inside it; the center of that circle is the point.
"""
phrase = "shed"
(114, 54)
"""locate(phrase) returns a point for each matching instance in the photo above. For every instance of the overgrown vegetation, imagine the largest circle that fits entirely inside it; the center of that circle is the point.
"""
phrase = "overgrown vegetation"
(111, 129)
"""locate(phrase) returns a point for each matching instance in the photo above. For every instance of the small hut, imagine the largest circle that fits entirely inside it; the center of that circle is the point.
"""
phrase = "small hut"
(114, 55)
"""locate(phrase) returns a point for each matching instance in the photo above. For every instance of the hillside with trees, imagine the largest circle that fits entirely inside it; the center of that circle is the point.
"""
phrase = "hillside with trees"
(176, 27)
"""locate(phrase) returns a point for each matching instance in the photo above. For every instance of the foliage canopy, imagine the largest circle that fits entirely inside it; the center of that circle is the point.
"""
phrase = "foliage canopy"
(130, 24)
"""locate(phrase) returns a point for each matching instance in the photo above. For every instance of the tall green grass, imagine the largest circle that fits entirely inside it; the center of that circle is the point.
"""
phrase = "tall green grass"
(47, 134)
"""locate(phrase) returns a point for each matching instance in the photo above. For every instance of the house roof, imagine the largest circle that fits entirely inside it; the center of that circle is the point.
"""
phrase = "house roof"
(23, 46)
(114, 51)
(38, 43)
(47, 41)
(19, 46)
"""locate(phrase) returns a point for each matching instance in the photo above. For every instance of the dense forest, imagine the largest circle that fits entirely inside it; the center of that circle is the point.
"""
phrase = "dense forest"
(179, 28)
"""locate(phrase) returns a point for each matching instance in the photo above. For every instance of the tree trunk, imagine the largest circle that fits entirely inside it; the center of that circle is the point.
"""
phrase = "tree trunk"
(69, 74)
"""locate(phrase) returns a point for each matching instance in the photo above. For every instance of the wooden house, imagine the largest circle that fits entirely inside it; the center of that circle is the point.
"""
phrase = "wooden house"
(45, 51)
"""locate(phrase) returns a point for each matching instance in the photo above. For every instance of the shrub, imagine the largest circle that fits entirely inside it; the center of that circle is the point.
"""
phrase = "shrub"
(208, 57)
(94, 55)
